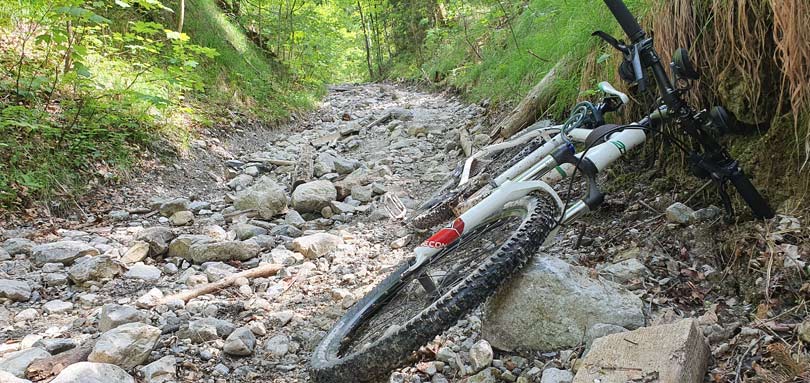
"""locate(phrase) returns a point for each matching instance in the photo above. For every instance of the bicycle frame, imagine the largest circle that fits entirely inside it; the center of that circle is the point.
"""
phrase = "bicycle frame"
(537, 172)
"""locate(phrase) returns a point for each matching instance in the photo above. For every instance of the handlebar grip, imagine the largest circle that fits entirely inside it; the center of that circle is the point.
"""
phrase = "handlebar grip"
(749, 193)
(626, 20)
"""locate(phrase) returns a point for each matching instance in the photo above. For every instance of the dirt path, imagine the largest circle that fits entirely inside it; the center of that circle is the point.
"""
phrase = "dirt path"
(221, 210)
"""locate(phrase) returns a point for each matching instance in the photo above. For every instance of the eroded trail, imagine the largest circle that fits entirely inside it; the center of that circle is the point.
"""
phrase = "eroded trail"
(98, 284)
(224, 208)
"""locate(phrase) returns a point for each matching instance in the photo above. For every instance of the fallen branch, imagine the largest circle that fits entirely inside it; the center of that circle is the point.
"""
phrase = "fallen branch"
(539, 98)
(258, 272)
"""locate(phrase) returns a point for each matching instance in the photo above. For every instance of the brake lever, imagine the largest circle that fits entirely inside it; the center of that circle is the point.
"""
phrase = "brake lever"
(619, 45)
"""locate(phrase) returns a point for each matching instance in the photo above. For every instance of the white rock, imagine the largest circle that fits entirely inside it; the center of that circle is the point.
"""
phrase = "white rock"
(87, 372)
(26, 315)
(481, 355)
(143, 272)
(553, 375)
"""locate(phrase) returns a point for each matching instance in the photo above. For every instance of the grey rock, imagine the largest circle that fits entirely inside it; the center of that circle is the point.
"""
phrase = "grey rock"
(222, 251)
(55, 346)
(17, 362)
(18, 291)
(241, 342)
(163, 370)
(93, 269)
(147, 273)
(266, 196)
(246, 231)
(362, 193)
(294, 218)
(240, 182)
(679, 213)
(15, 246)
(168, 208)
(218, 270)
(88, 372)
(625, 271)
(197, 206)
(803, 331)
(26, 315)
(64, 252)
(706, 214)
(313, 196)
(401, 114)
(565, 297)
(345, 166)
(126, 346)
(180, 246)
(278, 345)
(324, 164)
(316, 245)
(158, 239)
(57, 306)
(553, 375)
(341, 207)
(206, 329)
(280, 318)
(481, 355)
(55, 279)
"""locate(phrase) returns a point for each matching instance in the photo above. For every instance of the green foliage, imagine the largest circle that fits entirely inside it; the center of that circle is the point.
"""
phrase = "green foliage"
(82, 90)
(499, 50)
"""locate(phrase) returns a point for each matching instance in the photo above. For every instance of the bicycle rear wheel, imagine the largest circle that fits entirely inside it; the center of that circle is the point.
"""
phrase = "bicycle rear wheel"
(398, 316)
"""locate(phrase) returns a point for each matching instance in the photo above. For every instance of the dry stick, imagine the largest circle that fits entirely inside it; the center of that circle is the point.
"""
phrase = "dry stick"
(259, 272)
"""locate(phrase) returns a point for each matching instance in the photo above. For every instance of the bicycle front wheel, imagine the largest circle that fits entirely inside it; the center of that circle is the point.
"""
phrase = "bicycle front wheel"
(398, 316)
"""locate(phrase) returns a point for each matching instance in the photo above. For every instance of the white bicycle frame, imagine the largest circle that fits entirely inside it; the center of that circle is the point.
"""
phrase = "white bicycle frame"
(536, 172)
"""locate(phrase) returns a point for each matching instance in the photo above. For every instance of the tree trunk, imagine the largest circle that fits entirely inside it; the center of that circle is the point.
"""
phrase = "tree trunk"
(534, 104)
(182, 17)
(365, 39)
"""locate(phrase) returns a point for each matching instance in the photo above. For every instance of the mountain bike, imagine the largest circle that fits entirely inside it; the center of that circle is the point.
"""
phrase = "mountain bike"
(474, 173)
(458, 267)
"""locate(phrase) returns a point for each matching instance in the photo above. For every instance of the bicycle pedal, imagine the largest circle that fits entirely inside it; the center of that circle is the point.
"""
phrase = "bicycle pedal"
(394, 206)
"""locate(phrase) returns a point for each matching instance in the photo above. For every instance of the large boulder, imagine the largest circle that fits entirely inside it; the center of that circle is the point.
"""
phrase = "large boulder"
(675, 352)
(223, 251)
(94, 268)
(313, 196)
(551, 304)
(266, 196)
(125, 346)
(64, 252)
(87, 372)
(316, 245)
(18, 291)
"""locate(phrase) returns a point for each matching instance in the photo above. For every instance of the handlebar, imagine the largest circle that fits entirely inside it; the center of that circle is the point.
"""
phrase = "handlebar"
(626, 20)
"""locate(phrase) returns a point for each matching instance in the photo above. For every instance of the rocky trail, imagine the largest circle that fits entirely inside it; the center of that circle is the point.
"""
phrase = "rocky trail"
(231, 263)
